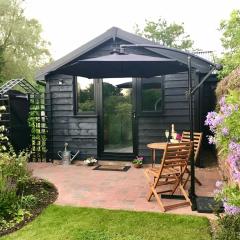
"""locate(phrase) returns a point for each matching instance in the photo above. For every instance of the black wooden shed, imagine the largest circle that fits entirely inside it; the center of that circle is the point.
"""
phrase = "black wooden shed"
(114, 117)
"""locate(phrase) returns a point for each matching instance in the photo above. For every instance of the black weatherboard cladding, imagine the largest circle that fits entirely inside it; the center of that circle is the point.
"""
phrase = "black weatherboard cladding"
(79, 132)
(152, 128)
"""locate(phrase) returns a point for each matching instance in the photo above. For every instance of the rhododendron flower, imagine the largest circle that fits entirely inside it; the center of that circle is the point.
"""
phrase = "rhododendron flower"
(219, 184)
(236, 107)
(232, 210)
(211, 140)
(222, 101)
(235, 147)
(225, 131)
(234, 159)
(213, 120)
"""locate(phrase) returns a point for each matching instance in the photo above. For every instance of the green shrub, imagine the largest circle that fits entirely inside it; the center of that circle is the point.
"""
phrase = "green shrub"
(8, 204)
(14, 175)
(28, 201)
(228, 227)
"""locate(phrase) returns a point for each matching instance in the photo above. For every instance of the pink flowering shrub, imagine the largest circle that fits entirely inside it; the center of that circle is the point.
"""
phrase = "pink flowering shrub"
(225, 126)
(230, 196)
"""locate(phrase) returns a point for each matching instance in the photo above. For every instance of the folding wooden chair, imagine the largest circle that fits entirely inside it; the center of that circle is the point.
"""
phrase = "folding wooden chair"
(197, 144)
(171, 170)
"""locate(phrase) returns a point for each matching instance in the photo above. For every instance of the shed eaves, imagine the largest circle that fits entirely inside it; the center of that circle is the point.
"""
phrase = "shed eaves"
(198, 63)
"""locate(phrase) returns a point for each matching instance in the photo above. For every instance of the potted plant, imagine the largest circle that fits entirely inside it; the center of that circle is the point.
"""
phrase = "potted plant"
(137, 162)
(90, 161)
(176, 138)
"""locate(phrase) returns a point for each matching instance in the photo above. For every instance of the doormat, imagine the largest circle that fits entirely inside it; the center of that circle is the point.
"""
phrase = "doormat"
(112, 168)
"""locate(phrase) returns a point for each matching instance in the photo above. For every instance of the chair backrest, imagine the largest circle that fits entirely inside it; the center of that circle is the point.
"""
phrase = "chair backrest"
(176, 155)
(197, 141)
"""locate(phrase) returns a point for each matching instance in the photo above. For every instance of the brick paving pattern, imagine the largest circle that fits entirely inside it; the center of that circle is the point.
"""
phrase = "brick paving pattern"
(81, 186)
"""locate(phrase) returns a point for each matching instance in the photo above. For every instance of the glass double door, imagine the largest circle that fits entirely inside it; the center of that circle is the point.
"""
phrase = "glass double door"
(117, 117)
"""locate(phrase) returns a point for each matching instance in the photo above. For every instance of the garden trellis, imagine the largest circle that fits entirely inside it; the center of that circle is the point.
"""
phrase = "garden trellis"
(36, 117)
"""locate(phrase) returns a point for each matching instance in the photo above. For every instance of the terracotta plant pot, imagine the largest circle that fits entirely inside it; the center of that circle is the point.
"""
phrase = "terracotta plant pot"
(137, 165)
(91, 164)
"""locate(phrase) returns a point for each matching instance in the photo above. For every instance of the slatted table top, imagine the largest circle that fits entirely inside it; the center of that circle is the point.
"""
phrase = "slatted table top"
(157, 145)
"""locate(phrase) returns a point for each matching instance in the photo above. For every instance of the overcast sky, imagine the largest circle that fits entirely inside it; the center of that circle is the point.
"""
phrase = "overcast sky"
(69, 24)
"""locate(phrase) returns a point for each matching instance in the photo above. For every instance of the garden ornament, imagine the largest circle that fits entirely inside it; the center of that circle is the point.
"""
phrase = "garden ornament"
(66, 155)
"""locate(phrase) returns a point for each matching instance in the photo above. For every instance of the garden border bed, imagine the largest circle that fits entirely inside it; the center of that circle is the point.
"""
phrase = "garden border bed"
(45, 201)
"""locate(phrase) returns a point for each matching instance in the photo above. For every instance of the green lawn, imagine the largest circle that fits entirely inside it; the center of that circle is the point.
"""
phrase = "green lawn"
(72, 223)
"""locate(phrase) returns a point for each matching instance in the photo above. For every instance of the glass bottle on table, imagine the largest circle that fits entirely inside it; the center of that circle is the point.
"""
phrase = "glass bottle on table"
(173, 131)
(167, 134)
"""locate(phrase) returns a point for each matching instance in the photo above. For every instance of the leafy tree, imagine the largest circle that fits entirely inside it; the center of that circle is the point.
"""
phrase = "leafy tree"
(231, 43)
(167, 34)
(87, 93)
(151, 99)
(22, 48)
(1, 64)
(123, 117)
(110, 90)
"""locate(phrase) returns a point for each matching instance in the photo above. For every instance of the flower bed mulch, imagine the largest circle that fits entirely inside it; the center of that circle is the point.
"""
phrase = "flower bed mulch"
(45, 192)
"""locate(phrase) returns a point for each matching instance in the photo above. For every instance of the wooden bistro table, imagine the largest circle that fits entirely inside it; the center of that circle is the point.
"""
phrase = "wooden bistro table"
(156, 146)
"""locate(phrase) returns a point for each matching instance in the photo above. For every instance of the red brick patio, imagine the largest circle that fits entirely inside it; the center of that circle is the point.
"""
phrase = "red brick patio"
(81, 186)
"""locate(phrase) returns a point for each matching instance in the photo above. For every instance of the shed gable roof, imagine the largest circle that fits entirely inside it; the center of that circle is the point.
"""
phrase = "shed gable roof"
(199, 63)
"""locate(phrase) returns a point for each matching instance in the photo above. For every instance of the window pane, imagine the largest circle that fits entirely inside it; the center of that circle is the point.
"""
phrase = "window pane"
(85, 95)
(152, 94)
